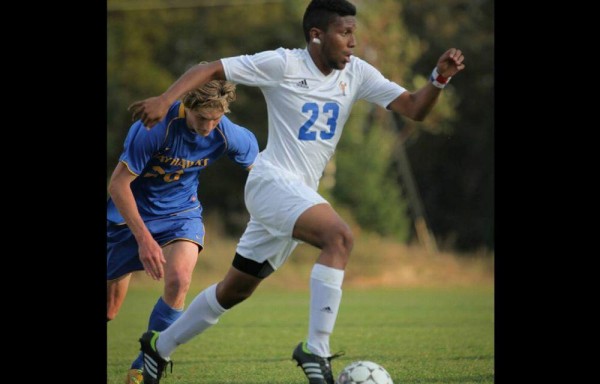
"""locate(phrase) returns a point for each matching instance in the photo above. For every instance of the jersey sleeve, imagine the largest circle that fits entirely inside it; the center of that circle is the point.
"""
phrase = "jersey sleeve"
(242, 146)
(262, 69)
(375, 88)
(141, 144)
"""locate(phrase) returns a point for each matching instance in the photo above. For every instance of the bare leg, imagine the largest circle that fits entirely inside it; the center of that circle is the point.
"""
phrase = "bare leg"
(236, 287)
(181, 259)
(322, 227)
(116, 290)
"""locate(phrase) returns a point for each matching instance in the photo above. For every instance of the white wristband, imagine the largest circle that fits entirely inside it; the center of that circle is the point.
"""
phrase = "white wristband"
(438, 80)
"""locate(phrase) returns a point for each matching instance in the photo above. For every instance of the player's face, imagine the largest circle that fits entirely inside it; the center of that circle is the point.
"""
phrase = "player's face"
(338, 42)
(203, 121)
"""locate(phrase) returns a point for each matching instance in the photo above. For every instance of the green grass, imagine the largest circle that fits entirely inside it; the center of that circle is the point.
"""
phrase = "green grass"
(420, 335)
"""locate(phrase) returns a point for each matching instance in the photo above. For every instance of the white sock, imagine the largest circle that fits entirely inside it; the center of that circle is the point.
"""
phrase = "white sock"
(325, 298)
(203, 312)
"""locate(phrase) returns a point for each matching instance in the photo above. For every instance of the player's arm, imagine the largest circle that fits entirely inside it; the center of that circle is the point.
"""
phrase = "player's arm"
(417, 105)
(154, 109)
(150, 252)
(243, 146)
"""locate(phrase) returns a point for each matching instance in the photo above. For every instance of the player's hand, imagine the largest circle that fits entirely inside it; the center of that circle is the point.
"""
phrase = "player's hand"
(150, 111)
(152, 258)
(451, 62)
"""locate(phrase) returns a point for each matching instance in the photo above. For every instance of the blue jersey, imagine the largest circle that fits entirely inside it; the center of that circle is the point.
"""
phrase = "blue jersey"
(169, 157)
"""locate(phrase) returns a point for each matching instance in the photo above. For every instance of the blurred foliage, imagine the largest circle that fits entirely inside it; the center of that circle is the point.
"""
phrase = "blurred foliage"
(150, 43)
(365, 179)
(455, 169)
(148, 50)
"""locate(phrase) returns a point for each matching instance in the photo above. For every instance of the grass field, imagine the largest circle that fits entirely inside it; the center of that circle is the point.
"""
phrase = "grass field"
(419, 334)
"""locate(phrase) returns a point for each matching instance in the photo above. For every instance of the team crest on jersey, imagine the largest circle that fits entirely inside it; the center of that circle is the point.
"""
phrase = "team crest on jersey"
(343, 87)
(302, 84)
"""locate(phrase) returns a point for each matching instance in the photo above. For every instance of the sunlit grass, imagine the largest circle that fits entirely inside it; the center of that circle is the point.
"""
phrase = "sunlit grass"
(420, 335)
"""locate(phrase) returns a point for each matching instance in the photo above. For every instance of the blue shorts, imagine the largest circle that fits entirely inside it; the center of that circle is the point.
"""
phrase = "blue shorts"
(122, 249)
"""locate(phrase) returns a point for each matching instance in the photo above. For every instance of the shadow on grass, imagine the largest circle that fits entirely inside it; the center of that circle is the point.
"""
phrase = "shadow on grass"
(462, 379)
(232, 361)
(479, 357)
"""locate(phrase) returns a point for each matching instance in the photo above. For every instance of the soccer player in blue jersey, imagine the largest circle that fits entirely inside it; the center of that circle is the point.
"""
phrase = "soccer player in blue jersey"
(154, 215)
(309, 94)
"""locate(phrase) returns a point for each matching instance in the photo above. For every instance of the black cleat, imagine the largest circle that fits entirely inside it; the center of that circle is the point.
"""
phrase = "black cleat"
(317, 369)
(154, 364)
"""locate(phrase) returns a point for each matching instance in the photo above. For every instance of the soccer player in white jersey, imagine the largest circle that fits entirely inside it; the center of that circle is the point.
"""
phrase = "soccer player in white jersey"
(309, 94)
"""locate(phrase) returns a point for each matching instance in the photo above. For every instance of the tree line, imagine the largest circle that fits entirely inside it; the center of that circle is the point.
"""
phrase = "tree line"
(450, 156)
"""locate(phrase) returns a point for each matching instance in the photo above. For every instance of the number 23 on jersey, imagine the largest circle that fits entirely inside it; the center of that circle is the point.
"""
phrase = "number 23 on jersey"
(331, 112)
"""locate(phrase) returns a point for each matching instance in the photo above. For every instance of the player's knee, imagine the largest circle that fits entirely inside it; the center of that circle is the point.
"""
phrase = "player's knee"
(179, 285)
(341, 241)
(231, 295)
(347, 240)
(241, 293)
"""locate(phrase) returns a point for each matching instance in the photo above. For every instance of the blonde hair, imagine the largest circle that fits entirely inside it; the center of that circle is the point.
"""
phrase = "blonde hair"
(216, 94)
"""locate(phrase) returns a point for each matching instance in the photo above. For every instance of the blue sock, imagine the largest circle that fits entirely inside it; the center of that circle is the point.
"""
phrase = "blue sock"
(161, 317)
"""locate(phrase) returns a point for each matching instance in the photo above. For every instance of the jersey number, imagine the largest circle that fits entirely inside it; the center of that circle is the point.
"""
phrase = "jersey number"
(313, 109)
(167, 177)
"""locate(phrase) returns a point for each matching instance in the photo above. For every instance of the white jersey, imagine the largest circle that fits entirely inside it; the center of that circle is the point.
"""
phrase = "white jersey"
(307, 110)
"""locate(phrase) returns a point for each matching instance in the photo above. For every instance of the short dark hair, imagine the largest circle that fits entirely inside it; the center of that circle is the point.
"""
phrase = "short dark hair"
(319, 14)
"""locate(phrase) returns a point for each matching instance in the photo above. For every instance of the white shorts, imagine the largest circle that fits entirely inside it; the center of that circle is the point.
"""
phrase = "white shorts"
(275, 199)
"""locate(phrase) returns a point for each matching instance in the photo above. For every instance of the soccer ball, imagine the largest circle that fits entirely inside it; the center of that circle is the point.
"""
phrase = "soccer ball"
(364, 372)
